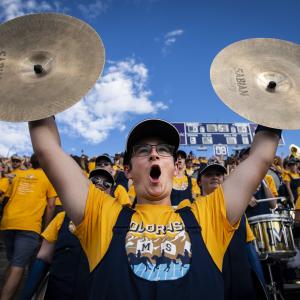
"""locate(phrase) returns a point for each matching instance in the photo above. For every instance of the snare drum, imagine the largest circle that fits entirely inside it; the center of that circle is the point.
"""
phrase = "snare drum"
(274, 237)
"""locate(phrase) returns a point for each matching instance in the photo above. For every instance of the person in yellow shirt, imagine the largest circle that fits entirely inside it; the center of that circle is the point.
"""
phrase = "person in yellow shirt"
(271, 185)
(16, 163)
(62, 255)
(184, 187)
(22, 220)
(120, 188)
(92, 164)
(291, 178)
(236, 259)
(118, 162)
(153, 251)
(189, 167)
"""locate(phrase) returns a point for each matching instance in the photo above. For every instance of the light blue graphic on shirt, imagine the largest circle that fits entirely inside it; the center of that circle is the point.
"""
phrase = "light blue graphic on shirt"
(165, 257)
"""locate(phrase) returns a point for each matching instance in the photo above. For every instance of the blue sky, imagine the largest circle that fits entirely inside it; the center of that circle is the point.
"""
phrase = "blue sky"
(158, 57)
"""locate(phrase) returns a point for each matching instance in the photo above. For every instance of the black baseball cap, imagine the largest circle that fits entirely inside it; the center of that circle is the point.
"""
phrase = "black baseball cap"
(152, 128)
(181, 153)
(292, 160)
(210, 166)
(102, 172)
(105, 157)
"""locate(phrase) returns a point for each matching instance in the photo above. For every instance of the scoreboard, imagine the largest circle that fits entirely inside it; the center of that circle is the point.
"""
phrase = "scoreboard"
(232, 134)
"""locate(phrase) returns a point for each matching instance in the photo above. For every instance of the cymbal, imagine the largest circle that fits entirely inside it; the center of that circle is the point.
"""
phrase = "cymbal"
(48, 62)
(260, 80)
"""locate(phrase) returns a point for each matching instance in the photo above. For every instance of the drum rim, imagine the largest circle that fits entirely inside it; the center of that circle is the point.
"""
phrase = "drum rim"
(268, 217)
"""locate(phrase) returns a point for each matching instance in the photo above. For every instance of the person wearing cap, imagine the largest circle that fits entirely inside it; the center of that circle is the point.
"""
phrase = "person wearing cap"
(184, 187)
(120, 188)
(210, 176)
(14, 167)
(31, 197)
(236, 258)
(153, 251)
(62, 256)
(291, 177)
(16, 162)
(118, 161)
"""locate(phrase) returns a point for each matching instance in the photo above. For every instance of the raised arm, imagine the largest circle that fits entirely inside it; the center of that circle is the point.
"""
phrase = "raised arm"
(244, 180)
(65, 175)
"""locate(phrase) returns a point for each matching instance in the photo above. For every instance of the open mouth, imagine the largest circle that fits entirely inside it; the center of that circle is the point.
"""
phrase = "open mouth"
(214, 182)
(155, 172)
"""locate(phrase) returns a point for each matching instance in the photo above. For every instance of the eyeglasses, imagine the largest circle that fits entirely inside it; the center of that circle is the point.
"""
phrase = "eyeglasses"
(145, 150)
(101, 183)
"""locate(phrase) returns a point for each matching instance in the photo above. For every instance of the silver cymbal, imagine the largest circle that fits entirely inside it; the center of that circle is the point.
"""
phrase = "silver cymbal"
(48, 62)
(260, 80)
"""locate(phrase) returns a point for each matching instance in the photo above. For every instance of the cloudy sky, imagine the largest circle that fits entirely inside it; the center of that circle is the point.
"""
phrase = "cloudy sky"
(158, 56)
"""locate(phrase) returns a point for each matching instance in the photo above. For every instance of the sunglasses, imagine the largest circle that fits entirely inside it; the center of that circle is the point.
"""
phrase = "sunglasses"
(145, 150)
(15, 161)
(103, 164)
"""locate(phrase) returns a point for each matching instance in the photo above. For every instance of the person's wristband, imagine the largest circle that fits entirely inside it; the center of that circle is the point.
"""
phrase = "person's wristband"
(268, 129)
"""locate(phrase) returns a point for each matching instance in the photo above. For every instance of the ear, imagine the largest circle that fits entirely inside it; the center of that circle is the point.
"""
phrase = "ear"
(127, 172)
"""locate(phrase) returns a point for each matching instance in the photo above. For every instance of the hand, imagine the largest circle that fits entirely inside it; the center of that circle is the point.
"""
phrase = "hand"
(253, 202)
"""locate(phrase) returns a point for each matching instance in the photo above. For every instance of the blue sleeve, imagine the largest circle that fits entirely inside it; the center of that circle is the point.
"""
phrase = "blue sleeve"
(122, 180)
(35, 276)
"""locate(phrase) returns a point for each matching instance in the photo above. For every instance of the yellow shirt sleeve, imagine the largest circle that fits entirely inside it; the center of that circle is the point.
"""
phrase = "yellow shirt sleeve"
(92, 165)
(51, 193)
(51, 232)
(249, 234)
(271, 184)
(4, 184)
(58, 202)
(195, 188)
(131, 192)
(101, 213)
(121, 195)
(210, 212)
(286, 176)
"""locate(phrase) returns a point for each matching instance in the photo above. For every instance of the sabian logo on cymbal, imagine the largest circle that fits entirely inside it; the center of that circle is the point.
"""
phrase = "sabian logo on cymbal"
(241, 82)
(2, 59)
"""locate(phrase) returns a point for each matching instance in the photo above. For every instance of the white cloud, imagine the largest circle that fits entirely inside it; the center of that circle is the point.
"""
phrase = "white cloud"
(93, 10)
(10, 9)
(170, 38)
(120, 93)
(14, 139)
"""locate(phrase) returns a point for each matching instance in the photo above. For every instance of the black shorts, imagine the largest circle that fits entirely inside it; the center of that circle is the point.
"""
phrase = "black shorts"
(21, 246)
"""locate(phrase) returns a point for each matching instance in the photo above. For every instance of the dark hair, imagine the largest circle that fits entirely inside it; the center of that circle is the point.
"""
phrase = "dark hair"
(34, 161)
(77, 160)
